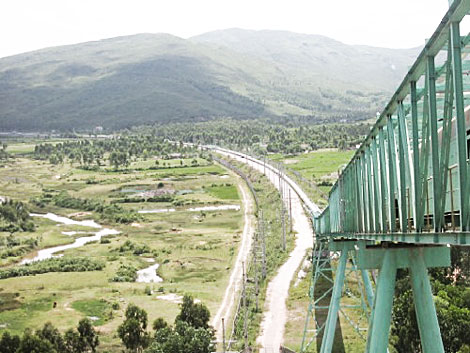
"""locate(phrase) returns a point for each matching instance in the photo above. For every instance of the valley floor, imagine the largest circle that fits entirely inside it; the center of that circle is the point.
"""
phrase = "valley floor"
(195, 246)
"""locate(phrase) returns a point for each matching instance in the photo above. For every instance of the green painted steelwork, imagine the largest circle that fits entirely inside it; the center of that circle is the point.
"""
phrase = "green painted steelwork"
(408, 183)
(461, 123)
(326, 292)
(425, 311)
(330, 326)
(409, 176)
(380, 326)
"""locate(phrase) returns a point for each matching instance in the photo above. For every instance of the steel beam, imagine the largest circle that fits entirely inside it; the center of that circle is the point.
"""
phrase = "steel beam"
(416, 180)
(461, 130)
(380, 328)
(429, 330)
(436, 174)
(330, 327)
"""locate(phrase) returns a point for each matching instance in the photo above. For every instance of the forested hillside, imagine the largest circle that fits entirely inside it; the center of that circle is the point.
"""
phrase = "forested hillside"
(153, 78)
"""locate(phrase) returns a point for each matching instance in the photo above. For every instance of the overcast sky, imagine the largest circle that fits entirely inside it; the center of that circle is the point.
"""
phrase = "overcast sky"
(33, 24)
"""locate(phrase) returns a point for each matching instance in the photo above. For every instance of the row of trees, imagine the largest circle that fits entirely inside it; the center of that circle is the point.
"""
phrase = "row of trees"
(284, 138)
(190, 333)
(55, 264)
(145, 142)
(83, 339)
(117, 151)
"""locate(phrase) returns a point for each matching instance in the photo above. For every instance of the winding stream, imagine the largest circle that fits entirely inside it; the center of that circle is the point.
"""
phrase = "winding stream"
(49, 252)
(149, 275)
(146, 275)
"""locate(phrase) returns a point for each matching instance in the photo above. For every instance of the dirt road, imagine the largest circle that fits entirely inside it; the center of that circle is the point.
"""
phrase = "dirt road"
(275, 311)
(235, 282)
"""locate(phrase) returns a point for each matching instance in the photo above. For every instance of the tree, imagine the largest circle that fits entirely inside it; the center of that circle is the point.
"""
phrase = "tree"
(34, 344)
(196, 315)
(72, 342)
(182, 338)
(452, 308)
(9, 343)
(132, 330)
(159, 323)
(52, 334)
(88, 335)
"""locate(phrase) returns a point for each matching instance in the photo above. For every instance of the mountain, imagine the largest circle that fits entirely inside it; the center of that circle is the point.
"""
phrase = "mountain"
(311, 57)
(156, 78)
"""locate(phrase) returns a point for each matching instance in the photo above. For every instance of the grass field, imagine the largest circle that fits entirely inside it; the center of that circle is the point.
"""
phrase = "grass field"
(195, 250)
(320, 163)
(347, 339)
(319, 170)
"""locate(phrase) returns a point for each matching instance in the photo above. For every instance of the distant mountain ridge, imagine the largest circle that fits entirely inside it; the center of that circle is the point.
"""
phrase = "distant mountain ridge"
(156, 78)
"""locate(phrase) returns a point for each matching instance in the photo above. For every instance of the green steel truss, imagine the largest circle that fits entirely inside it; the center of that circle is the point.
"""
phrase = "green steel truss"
(359, 296)
(321, 330)
(408, 180)
(407, 183)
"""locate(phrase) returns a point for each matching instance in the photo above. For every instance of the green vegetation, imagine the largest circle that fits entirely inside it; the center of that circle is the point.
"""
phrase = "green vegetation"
(99, 309)
(49, 340)
(100, 84)
(191, 332)
(225, 191)
(269, 201)
(118, 151)
(14, 246)
(125, 273)
(14, 217)
(109, 212)
(452, 300)
(319, 164)
(195, 250)
(261, 137)
(60, 264)
(316, 172)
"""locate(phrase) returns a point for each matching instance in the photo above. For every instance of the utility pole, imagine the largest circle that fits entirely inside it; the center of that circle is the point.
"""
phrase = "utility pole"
(283, 224)
(281, 192)
(263, 244)
(256, 266)
(245, 317)
(290, 210)
(223, 335)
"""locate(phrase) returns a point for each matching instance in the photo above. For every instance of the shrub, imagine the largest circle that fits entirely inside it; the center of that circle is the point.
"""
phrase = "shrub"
(125, 273)
(56, 264)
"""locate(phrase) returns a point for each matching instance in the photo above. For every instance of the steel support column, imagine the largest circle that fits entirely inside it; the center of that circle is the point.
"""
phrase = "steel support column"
(380, 328)
(429, 331)
(330, 327)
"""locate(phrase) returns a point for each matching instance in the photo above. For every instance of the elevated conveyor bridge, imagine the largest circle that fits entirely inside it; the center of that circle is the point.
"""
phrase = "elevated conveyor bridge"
(404, 198)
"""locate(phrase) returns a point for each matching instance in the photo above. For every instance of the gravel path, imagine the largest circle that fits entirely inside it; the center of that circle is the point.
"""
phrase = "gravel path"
(235, 282)
(275, 311)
